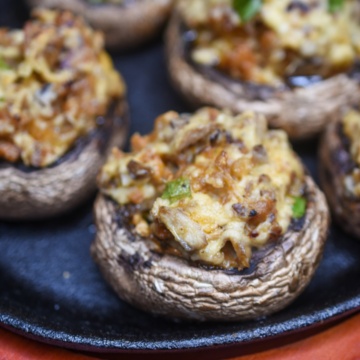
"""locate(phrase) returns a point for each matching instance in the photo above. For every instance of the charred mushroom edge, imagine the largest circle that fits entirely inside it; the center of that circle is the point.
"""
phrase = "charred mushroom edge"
(124, 26)
(170, 286)
(30, 193)
(335, 161)
(293, 110)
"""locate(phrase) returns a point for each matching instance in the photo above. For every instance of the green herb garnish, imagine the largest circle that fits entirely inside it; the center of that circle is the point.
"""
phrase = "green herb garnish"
(335, 5)
(247, 9)
(299, 207)
(3, 65)
(177, 189)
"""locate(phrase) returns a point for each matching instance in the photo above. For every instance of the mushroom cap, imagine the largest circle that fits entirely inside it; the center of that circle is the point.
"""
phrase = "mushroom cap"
(173, 287)
(334, 161)
(301, 112)
(27, 193)
(123, 26)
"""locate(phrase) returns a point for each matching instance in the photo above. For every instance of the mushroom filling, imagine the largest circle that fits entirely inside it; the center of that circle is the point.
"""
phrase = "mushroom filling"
(287, 40)
(55, 79)
(210, 186)
(351, 130)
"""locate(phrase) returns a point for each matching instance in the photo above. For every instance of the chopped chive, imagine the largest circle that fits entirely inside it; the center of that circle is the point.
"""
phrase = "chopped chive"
(299, 207)
(3, 65)
(177, 189)
(335, 5)
(247, 9)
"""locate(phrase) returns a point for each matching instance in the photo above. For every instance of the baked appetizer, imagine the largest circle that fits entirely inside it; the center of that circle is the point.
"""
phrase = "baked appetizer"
(340, 169)
(61, 108)
(293, 61)
(125, 23)
(210, 217)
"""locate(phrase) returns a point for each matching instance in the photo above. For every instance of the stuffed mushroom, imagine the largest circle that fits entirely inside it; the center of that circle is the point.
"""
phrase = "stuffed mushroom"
(62, 107)
(340, 169)
(293, 61)
(210, 217)
(125, 23)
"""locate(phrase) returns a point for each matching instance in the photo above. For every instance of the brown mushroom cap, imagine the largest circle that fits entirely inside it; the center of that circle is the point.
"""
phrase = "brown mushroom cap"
(167, 285)
(301, 112)
(27, 193)
(123, 26)
(335, 162)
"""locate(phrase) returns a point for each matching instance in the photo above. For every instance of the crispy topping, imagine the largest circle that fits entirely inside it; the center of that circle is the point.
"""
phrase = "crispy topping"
(212, 197)
(285, 39)
(55, 79)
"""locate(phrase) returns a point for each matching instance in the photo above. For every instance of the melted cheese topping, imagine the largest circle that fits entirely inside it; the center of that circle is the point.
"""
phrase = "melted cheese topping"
(55, 79)
(243, 180)
(286, 38)
(351, 128)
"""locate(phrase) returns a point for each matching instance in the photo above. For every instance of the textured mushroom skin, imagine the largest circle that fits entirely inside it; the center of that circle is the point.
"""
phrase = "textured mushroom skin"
(123, 26)
(40, 193)
(292, 110)
(166, 285)
(334, 163)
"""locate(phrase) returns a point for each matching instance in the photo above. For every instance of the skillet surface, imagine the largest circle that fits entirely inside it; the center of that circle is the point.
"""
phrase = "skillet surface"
(52, 291)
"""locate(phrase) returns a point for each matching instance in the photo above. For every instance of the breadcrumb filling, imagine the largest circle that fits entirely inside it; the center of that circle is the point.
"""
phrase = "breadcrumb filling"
(208, 187)
(286, 38)
(55, 80)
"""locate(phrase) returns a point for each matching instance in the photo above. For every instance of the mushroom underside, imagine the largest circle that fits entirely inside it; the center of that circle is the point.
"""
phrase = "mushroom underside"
(335, 162)
(123, 26)
(301, 112)
(27, 193)
(170, 286)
